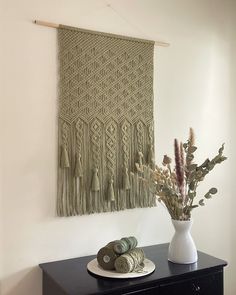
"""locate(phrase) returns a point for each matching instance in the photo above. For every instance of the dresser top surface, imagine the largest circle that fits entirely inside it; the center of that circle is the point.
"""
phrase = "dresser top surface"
(72, 275)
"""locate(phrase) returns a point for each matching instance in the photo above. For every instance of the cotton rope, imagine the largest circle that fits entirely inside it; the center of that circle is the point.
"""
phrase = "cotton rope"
(106, 257)
(105, 122)
(125, 244)
(131, 261)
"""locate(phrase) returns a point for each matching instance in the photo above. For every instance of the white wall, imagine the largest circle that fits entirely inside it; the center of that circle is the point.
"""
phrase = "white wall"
(233, 141)
(193, 87)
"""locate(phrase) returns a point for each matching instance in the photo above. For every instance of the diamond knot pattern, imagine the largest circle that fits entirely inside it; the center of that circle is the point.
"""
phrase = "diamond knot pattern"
(97, 69)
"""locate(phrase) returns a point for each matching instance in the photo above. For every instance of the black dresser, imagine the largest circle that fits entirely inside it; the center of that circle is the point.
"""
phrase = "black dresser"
(70, 277)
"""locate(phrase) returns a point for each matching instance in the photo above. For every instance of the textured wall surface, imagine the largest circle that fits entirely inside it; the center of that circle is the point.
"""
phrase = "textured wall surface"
(193, 87)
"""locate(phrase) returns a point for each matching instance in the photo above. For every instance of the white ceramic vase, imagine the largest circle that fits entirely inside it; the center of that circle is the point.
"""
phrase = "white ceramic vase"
(182, 248)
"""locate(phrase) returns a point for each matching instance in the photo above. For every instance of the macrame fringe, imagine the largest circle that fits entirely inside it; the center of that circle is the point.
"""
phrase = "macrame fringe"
(78, 167)
(135, 190)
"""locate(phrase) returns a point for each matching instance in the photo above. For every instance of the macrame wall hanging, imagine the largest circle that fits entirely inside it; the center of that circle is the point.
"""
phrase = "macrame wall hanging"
(105, 122)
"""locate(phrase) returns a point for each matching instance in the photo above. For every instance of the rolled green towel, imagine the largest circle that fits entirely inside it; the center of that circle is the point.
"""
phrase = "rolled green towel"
(130, 261)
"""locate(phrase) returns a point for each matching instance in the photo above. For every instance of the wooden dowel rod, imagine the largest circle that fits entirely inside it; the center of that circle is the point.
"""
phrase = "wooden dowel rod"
(46, 24)
(163, 44)
(55, 26)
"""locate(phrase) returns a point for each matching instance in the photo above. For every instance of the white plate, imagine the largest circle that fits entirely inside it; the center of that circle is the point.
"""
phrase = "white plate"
(95, 268)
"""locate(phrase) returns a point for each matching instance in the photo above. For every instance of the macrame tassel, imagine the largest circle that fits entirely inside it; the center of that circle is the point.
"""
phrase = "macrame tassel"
(110, 192)
(64, 158)
(78, 167)
(126, 181)
(150, 158)
(95, 181)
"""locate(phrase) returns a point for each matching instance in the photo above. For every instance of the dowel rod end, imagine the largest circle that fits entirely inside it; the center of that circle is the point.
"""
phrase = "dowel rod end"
(163, 44)
(46, 24)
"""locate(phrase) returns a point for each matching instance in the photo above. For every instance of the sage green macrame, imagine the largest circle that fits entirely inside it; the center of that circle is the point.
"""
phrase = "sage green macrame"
(105, 122)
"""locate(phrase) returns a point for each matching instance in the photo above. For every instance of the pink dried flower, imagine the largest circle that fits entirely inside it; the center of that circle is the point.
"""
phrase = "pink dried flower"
(178, 167)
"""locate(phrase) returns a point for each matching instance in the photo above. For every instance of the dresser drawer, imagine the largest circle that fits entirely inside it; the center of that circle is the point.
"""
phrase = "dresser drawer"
(147, 291)
(203, 285)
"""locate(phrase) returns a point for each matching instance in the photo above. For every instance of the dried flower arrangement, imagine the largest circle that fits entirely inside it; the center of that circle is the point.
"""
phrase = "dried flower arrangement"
(176, 188)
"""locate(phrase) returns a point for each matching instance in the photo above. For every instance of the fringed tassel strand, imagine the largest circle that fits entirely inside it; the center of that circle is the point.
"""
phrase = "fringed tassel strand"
(95, 190)
(64, 163)
(110, 191)
(78, 173)
(78, 167)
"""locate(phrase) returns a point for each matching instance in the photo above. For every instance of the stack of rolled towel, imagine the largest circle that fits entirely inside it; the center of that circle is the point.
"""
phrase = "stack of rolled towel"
(122, 256)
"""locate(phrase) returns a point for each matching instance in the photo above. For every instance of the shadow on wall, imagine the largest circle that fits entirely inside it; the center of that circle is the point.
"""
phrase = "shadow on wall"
(27, 281)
